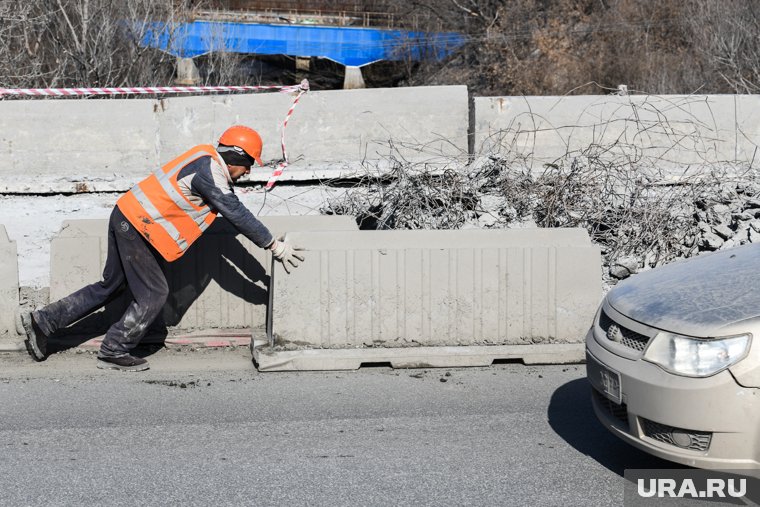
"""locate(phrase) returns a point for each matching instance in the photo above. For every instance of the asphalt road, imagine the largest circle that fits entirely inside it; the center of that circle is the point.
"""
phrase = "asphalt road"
(204, 428)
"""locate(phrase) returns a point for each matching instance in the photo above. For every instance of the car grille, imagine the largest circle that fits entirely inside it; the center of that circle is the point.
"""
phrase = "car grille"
(618, 412)
(679, 437)
(630, 339)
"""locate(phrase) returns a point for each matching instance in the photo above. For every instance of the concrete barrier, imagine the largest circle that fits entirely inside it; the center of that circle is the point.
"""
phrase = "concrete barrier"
(395, 289)
(9, 295)
(669, 130)
(220, 283)
(331, 131)
(108, 145)
(76, 145)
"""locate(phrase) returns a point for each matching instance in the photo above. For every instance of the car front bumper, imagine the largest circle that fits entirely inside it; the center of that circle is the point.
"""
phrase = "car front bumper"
(710, 422)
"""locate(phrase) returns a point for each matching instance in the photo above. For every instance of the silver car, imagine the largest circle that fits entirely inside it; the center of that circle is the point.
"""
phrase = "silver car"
(674, 360)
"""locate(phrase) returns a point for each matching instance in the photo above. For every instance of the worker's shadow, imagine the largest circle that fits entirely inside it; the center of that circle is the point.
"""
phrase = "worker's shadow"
(216, 256)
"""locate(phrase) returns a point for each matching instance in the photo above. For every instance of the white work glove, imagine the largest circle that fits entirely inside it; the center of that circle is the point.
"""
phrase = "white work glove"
(285, 252)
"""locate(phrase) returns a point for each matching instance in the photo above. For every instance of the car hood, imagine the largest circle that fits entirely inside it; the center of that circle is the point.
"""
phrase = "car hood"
(705, 296)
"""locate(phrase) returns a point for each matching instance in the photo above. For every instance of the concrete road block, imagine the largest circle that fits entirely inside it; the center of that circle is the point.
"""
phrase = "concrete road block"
(220, 283)
(668, 130)
(78, 145)
(268, 359)
(9, 303)
(109, 145)
(330, 132)
(437, 288)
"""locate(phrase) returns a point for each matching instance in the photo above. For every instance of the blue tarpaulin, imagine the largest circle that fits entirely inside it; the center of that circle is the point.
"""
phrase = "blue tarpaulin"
(345, 45)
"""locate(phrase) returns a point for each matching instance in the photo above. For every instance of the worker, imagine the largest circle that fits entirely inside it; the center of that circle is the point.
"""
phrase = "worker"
(161, 217)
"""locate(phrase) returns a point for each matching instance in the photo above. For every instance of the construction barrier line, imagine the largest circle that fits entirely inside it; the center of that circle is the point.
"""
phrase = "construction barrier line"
(301, 88)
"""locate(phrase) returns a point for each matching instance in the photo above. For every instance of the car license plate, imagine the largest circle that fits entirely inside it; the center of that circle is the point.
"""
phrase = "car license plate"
(605, 380)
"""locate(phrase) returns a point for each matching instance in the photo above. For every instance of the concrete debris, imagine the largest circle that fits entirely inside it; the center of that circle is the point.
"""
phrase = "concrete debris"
(723, 231)
(741, 216)
(619, 272)
(624, 267)
(710, 241)
(723, 211)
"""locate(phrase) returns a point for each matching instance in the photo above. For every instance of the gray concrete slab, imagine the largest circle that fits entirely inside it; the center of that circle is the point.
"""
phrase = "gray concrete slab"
(330, 131)
(268, 359)
(669, 130)
(9, 303)
(436, 288)
(109, 145)
(76, 145)
(220, 283)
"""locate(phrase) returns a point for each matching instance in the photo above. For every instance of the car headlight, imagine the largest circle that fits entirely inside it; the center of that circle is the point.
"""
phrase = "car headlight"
(694, 357)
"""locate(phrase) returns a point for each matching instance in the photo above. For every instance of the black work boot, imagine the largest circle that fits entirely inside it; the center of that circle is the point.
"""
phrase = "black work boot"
(123, 363)
(36, 340)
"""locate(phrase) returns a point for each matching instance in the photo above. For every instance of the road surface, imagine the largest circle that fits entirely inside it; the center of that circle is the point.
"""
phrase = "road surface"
(204, 428)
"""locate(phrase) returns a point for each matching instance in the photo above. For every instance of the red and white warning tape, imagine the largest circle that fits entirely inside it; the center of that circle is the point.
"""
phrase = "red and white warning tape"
(301, 88)
(142, 90)
(282, 165)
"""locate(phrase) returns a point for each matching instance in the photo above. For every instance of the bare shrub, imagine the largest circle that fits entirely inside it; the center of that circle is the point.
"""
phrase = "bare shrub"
(82, 43)
(408, 195)
(627, 216)
(728, 43)
(532, 47)
(66, 43)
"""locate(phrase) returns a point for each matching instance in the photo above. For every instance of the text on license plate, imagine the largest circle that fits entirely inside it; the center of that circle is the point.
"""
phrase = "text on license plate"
(605, 380)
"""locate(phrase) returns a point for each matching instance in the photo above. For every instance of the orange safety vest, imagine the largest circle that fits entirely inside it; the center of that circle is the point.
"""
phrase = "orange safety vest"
(158, 209)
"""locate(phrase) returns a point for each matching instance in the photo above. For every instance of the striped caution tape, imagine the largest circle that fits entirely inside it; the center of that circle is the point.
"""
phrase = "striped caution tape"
(141, 90)
(303, 88)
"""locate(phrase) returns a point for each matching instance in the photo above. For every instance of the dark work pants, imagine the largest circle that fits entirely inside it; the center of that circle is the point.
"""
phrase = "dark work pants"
(131, 262)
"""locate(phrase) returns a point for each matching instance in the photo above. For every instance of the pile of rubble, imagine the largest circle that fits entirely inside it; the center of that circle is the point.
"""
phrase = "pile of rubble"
(730, 224)
(640, 222)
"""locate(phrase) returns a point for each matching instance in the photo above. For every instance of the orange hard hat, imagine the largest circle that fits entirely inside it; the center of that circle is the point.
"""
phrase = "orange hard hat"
(244, 138)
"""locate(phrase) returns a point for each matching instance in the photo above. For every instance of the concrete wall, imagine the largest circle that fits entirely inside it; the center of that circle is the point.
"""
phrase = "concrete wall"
(104, 145)
(433, 288)
(220, 283)
(75, 145)
(107, 145)
(664, 131)
(9, 302)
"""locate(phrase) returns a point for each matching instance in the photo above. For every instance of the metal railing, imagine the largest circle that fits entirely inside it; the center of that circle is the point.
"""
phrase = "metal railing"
(307, 17)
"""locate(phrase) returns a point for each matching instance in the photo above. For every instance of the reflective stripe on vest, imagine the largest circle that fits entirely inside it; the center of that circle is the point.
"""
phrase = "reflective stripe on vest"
(159, 210)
